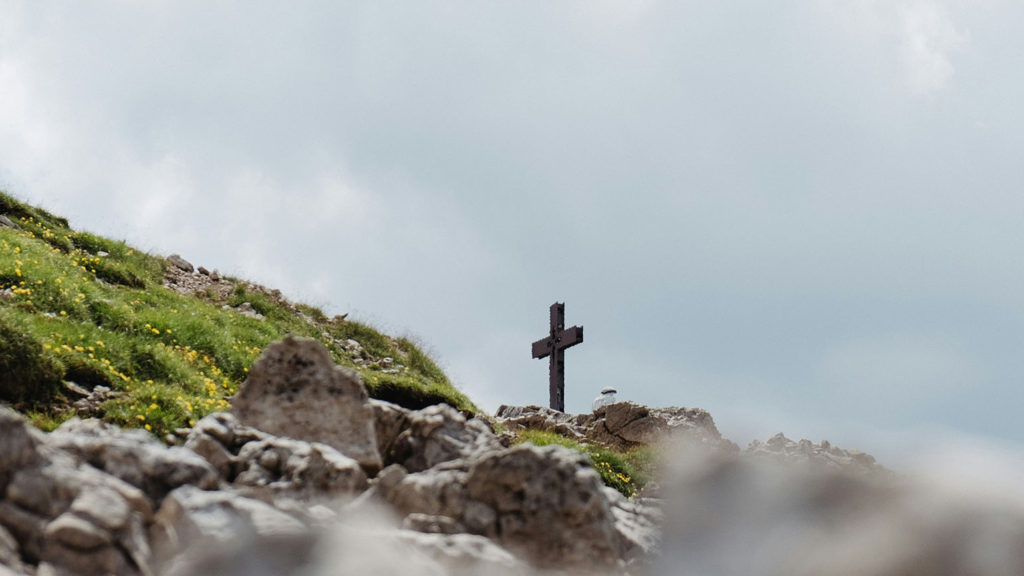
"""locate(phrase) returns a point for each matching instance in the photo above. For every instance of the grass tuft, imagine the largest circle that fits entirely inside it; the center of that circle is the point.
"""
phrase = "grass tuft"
(627, 472)
(28, 372)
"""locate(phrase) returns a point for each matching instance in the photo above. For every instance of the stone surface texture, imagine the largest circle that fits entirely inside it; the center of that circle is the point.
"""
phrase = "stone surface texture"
(438, 434)
(295, 390)
(134, 456)
(823, 454)
(621, 425)
(546, 503)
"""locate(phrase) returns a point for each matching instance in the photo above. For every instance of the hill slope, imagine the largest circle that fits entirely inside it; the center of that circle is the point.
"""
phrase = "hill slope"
(171, 344)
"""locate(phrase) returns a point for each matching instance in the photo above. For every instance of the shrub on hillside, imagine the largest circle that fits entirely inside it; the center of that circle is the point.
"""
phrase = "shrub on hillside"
(28, 372)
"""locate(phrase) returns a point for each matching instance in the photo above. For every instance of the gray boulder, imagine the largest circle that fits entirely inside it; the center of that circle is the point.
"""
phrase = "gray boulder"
(134, 456)
(390, 420)
(218, 438)
(10, 559)
(180, 263)
(438, 434)
(545, 503)
(623, 425)
(295, 390)
(246, 457)
(299, 469)
(546, 420)
(194, 526)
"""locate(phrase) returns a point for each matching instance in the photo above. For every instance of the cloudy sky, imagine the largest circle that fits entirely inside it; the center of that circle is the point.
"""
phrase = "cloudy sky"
(802, 216)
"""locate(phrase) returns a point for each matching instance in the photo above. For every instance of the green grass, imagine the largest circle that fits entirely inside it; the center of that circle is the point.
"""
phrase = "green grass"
(94, 311)
(627, 472)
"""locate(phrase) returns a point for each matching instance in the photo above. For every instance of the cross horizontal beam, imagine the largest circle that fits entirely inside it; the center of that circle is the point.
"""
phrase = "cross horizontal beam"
(564, 339)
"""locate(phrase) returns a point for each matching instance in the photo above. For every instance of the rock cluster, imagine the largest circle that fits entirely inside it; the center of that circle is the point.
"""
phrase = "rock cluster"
(819, 455)
(292, 475)
(621, 425)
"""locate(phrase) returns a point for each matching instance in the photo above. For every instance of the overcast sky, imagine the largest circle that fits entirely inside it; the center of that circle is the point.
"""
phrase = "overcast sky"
(801, 216)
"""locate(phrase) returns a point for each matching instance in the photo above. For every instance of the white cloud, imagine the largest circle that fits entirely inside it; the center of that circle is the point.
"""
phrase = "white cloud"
(929, 37)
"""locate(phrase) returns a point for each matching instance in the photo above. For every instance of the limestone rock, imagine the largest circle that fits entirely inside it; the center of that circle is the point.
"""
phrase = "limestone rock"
(6, 222)
(61, 560)
(218, 438)
(440, 433)
(299, 468)
(192, 520)
(246, 309)
(26, 527)
(70, 530)
(546, 503)
(432, 524)
(9, 556)
(823, 454)
(390, 420)
(546, 420)
(180, 263)
(134, 456)
(621, 425)
(637, 524)
(68, 516)
(18, 445)
(103, 507)
(296, 390)
(465, 554)
(93, 400)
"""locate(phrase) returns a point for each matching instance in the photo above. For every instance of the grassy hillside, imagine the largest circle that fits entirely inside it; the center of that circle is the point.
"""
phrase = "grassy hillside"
(81, 308)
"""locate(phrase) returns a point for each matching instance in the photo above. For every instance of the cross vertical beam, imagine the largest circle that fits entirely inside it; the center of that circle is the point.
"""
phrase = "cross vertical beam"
(553, 347)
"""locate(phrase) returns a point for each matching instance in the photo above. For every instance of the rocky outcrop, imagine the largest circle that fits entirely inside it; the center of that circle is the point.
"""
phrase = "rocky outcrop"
(532, 417)
(64, 515)
(439, 434)
(296, 390)
(290, 481)
(545, 503)
(390, 420)
(246, 457)
(134, 456)
(180, 263)
(821, 455)
(621, 425)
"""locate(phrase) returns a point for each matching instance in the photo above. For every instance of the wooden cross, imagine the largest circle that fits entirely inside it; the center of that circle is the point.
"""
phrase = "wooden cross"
(554, 346)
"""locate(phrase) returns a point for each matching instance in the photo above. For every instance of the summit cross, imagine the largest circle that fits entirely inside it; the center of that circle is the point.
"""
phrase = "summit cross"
(554, 347)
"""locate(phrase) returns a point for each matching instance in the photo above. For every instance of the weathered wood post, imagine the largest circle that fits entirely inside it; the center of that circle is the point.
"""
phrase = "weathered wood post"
(554, 347)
